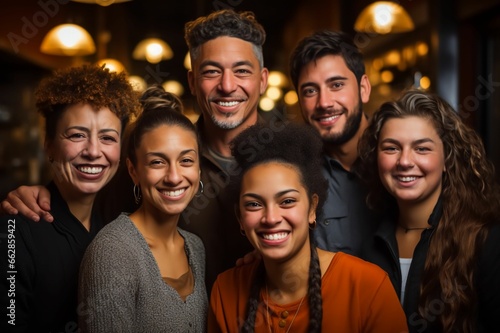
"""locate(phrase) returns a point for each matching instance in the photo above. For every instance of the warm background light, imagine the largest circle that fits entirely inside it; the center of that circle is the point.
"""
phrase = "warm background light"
(273, 93)
(386, 76)
(384, 17)
(112, 64)
(422, 49)
(291, 97)
(187, 61)
(153, 50)
(425, 82)
(392, 58)
(137, 82)
(174, 87)
(377, 63)
(266, 104)
(68, 40)
(277, 79)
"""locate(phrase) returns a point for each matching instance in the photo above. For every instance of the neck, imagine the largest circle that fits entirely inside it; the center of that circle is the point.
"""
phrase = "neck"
(288, 281)
(415, 216)
(155, 225)
(219, 139)
(347, 153)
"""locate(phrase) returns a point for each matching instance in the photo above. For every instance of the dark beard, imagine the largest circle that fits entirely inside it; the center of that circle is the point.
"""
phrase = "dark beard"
(350, 129)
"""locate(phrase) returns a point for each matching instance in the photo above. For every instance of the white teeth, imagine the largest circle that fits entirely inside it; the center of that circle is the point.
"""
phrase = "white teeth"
(329, 118)
(233, 103)
(407, 179)
(175, 193)
(90, 170)
(277, 236)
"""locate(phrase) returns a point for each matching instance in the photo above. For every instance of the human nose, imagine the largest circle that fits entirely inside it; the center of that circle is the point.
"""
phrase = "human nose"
(227, 82)
(406, 159)
(173, 176)
(325, 100)
(92, 149)
(272, 215)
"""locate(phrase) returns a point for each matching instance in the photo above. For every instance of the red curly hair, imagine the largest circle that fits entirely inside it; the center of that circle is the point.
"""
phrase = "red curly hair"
(88, 84)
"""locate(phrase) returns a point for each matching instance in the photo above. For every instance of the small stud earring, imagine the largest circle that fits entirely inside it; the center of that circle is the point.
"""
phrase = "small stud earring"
(312, 225)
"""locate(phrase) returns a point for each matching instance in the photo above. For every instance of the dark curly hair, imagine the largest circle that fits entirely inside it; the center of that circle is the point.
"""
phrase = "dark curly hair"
(88, 84)
(225, 23)
(325, 43)
(159, 108)
(299, 146)
(470, 203)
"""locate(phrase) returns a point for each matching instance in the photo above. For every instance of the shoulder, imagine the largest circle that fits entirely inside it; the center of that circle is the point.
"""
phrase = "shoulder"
(237, 278)
(13, 222)
(119, 229)
(115, 250)
(356, 269)
(119, 236)
(24, 230)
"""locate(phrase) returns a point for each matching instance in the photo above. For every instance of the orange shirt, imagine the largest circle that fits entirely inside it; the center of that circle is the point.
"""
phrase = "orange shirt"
(357, 297)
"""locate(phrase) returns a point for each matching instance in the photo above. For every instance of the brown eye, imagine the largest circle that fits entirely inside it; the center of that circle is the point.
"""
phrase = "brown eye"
(288, 201)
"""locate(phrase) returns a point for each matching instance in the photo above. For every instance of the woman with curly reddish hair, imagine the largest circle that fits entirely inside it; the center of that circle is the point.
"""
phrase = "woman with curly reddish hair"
(82, 107)
(439, 240)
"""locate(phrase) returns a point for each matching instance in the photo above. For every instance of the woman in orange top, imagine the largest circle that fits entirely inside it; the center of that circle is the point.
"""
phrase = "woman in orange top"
(295, 287)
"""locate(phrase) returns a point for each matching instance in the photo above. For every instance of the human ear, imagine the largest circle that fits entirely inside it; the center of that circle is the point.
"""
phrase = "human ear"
(364, 89)
(191, 82)
(313, 207)
(132, 172)
(264, 74)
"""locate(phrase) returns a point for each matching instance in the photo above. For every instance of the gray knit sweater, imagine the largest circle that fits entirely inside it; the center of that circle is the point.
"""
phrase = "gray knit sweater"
(121, 288)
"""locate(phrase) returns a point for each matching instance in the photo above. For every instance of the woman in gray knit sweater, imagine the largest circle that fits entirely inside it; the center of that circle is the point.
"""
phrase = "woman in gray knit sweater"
(142, 273)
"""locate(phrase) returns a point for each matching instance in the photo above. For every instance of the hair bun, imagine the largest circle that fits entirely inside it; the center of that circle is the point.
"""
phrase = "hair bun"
(156, 97)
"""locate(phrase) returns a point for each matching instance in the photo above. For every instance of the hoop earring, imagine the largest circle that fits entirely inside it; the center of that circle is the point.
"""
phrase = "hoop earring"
(312, 225)
(137, 194)
(201, 189)
(242, 232)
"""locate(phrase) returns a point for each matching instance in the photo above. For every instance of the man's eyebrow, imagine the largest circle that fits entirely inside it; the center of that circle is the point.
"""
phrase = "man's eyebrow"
(218, 65)
(329, 80)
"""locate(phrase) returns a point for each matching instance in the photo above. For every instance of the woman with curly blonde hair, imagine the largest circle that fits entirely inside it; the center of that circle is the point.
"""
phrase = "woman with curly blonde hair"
(439, 240)
(82, 107)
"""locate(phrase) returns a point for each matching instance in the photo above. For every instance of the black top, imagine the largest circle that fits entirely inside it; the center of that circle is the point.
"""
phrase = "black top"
(383, 251)
(345, 222)
(43, 259)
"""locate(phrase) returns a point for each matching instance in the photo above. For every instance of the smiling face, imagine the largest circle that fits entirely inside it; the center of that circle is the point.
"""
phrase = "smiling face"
(227, 81)
(167, 169)
(330, 98)
(275, 211)
(410, 157)
(85, 151)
